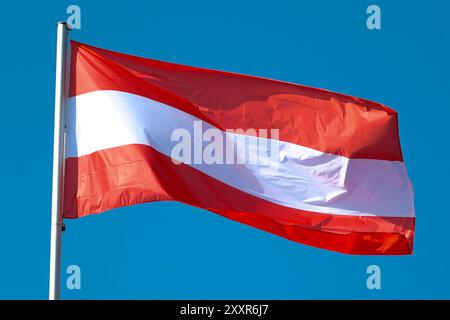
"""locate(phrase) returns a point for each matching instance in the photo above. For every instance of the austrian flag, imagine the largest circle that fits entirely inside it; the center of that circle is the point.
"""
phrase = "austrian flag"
(313, 166)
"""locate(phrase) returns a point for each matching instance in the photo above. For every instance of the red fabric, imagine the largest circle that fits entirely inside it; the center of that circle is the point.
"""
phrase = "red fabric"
(133, 174)
(319, 119)
(314, 118)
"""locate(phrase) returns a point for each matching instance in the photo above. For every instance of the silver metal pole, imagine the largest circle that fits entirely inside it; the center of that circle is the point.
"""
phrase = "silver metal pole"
(58, 160)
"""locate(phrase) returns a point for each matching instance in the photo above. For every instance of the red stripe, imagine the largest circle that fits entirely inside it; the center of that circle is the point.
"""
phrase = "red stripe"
(314, 118)
(134, 174)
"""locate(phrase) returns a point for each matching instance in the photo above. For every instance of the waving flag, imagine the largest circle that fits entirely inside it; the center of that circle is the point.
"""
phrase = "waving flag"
(313, 166)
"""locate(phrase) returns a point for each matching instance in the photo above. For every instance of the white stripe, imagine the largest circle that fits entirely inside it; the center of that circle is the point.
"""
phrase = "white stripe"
(307, 179)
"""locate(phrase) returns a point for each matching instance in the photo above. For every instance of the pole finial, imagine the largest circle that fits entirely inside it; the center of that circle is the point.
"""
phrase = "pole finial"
(68, 26)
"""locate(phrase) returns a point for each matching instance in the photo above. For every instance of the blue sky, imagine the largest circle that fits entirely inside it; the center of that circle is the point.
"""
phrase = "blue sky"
(170, 250)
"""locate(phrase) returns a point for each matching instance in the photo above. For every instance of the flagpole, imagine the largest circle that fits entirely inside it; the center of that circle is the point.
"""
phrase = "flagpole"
(58, 160)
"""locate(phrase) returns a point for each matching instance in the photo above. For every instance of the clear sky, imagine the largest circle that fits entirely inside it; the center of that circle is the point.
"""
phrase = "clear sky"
(169, 250)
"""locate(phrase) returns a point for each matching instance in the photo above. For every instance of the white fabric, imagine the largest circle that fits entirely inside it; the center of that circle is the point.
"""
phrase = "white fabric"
(305, 179)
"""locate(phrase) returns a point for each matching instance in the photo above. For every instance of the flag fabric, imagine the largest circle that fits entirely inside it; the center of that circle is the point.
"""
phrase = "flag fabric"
(313, 166)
